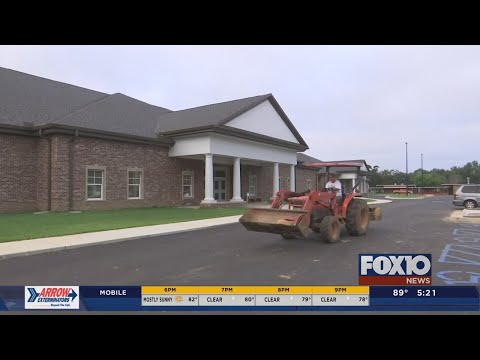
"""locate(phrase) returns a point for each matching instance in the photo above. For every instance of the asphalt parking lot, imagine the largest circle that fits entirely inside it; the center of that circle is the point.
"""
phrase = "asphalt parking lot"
(231, 255)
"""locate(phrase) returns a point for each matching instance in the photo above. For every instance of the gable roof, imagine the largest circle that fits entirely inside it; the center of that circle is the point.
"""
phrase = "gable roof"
(33, 102)
(213, 114)
(213, 117)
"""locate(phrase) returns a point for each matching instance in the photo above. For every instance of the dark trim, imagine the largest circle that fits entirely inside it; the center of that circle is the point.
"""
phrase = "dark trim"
(16, 131)
(189, 131)
(238, 133)
(300, 166)
(287, 121)
(279, 110)
(254, 136)
(261, 138)
(71, 130)
(46, 132)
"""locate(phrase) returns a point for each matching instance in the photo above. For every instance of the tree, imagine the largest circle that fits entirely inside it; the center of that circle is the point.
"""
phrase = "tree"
(434, 177)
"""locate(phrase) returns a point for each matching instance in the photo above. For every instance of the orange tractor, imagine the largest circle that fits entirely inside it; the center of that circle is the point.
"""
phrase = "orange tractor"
(293, 215)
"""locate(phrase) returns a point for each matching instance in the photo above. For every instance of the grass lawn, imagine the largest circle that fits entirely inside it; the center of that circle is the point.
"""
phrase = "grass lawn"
(32, 226)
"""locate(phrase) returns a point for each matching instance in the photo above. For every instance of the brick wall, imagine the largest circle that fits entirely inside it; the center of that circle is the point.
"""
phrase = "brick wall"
(265, 179)
(18, 177)
(43, 174)
(60, 172)
(162, 175)
(302, 176)
(284, 172)
(50, 173)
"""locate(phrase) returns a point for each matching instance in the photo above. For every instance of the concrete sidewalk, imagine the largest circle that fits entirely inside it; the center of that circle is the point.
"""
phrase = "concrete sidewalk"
(36, 246)
(376, 201)
(57, 243)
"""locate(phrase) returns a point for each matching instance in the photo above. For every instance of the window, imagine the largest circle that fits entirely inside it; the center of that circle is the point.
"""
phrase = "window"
(95, 184)
(471, 189)
(309, 184)
(288, 183)
(252, 185)
(135, 184)
(187, 183)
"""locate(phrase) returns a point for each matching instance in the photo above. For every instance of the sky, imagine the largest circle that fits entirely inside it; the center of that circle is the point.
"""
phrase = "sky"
(347, 102)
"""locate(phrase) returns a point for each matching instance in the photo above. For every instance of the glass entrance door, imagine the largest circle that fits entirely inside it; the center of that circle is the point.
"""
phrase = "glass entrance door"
(220, 185)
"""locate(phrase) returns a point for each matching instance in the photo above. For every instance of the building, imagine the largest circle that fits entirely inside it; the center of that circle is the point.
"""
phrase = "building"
(425, 190)
(64, 147)
(350, 172)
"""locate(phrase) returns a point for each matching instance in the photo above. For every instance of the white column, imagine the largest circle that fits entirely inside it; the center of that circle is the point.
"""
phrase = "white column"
(208, 180)
(236, 181)
(292, 177)
(276, 177)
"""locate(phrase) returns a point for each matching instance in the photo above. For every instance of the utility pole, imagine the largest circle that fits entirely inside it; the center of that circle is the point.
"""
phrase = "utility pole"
(422, 174)
(406, 166)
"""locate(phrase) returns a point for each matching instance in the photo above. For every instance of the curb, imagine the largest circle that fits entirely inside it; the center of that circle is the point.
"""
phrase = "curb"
(405, 198)
(54, 248)
(377, 201)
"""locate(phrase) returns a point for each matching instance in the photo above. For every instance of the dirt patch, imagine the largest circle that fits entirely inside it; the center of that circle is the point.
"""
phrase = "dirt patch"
(456, 216)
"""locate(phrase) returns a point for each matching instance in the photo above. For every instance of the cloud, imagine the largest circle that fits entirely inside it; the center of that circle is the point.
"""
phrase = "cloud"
(346, 101)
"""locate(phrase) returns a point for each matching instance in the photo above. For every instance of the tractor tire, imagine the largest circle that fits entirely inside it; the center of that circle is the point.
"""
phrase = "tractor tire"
(330, 229)
(316, 218)
(287, 236)
(358, 218)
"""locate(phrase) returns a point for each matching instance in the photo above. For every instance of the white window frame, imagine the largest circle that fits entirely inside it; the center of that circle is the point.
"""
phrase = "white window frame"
(140, 190)
(253, 176)
(188, 172)
(103, 169)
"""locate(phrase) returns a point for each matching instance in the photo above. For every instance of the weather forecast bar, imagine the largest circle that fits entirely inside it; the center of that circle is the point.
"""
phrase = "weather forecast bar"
(275, 296)
(239, 298)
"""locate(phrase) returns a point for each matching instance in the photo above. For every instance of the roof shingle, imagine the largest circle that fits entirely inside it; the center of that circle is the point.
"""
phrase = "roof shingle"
(212, 114)
(31, 101)
(28, 100)
(117, 113)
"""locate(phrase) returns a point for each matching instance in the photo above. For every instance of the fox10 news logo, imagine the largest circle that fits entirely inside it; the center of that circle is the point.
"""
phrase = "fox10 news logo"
(395, 269)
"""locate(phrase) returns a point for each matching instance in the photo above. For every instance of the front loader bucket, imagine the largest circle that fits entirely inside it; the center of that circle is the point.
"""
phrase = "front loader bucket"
(276, 221)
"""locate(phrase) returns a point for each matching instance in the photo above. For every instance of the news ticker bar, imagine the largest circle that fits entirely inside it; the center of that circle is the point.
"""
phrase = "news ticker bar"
(241, 298)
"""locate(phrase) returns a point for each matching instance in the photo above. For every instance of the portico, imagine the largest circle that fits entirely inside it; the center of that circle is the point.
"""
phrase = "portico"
(246, 145)
(224, 157)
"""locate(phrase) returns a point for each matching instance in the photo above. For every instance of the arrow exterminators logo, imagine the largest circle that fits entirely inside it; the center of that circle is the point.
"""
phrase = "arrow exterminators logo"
(51, 297)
